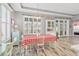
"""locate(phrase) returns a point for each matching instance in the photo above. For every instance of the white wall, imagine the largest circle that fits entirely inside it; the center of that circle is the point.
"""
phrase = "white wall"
(76, 19)
(71, 27)
(19, 20)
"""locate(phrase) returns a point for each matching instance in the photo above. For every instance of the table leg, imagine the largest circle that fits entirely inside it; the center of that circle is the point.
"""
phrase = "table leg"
(26, 51)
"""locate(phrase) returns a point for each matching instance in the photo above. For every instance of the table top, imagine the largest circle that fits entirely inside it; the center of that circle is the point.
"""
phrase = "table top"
(39, 36)
(31, 39)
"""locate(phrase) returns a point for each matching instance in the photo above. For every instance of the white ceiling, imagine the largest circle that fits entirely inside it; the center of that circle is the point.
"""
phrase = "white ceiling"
(68, 8)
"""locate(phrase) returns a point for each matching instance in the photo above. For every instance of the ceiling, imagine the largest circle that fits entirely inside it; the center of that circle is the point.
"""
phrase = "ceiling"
(47, 8)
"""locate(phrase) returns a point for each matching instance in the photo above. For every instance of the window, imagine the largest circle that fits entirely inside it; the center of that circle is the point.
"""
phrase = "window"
(5, 23)
(0, 11)
(8, 24)
(8, 16)
(26, 19)
(50, 25)
(32, 25)
(3, 14)
(30, 19)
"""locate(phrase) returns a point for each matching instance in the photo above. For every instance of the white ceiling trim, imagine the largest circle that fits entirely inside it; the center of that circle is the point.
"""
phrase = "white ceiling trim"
(43, 10)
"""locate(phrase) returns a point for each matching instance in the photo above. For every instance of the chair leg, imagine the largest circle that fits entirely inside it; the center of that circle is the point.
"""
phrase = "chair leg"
(25, 51)
(38, 49)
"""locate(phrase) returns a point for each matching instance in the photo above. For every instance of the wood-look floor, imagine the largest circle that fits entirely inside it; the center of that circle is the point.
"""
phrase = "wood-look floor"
(20, 51)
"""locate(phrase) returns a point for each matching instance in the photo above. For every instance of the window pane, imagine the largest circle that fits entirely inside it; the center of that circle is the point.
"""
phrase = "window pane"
(52, 24)
(0, 11)
(49, 24)
(39, 20)
(8, 31)
(61, 21)
(0, 18)
(56, 20)
(35, 19)
(8, 17)
(30, 19)
(3, 14)
(4, 31)
(26, 19)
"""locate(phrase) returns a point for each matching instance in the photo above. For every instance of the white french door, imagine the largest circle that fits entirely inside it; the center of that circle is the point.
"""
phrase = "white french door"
(32, 25)
(50, 27)
(62, 27)
(58, 27)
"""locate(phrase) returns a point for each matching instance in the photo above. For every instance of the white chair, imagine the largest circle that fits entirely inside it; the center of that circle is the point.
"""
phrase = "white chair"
(40, 43)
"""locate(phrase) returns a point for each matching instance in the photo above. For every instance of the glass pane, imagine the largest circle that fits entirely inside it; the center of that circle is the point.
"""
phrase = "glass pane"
(29, 25)
(52, 24)
(0, 11)
(56, 20)
(3, 14)
(39, 20)
(8, 17)
(61, 29)
(65, 32)
(30, 19)
(4, 32)
(65, 21)
(35, 20)
(65, 29)
(48, 29)
(8, 31)
(26, 19)
(57, 25)
(61, 21)
(26, 25)
(8, 14)
(49, 24)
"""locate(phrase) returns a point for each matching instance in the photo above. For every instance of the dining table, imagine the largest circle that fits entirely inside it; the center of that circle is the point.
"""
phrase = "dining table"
(33, 39)
(36, 40)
